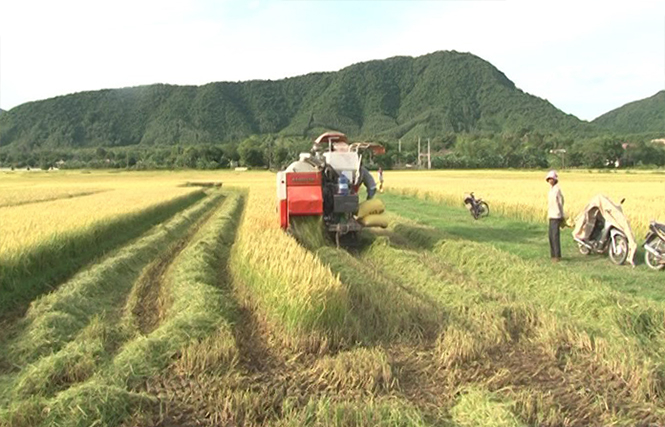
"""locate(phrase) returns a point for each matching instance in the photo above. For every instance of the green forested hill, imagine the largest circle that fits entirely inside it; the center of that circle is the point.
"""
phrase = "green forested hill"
(646, 115)
(428, 96)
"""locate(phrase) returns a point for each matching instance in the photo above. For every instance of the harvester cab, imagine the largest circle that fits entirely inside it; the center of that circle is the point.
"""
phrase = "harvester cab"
(325, 183)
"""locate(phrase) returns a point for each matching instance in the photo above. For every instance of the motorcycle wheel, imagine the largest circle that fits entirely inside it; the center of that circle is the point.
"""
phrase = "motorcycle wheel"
(619, 249)
(583, 249)
(651, 260)
(483, 210)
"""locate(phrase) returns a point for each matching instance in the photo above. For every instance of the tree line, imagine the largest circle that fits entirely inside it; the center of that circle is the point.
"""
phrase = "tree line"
(521, 150)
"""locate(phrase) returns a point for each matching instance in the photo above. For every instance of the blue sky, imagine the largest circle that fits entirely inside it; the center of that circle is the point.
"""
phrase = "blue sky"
(586, 58)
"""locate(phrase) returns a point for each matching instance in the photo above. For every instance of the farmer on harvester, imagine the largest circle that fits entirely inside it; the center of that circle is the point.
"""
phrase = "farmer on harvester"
(368, 181)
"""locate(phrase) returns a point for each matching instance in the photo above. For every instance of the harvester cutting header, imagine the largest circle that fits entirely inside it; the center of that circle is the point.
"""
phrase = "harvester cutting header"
(325, 183)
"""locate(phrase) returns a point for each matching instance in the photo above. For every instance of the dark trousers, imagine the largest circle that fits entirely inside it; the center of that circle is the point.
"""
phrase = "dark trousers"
(555, 238)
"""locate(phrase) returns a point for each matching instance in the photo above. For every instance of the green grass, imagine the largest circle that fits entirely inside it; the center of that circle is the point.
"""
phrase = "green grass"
(622, 332)
(366, 412)
(473, 318)
(528, 240)
(67, 334)
(437, 327)
(479, 408)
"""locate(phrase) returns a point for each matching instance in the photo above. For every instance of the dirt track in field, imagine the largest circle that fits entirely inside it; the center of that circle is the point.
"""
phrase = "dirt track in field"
(150, 301)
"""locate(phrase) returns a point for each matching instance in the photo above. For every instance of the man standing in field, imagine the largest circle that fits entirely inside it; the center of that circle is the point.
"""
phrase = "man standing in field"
(380, 180)
(555, 214)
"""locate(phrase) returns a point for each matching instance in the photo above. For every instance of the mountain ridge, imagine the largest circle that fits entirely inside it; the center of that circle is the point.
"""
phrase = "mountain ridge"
(432, 95)
(641, 116)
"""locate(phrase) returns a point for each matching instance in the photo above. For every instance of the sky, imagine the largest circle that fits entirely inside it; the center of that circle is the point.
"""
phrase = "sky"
(585, 57)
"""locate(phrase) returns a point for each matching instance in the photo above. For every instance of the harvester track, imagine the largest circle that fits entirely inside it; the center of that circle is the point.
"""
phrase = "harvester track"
(148, 308)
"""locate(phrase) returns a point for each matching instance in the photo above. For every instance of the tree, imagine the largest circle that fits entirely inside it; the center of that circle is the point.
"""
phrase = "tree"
(250, 152)
(598, 152)
(643, 153)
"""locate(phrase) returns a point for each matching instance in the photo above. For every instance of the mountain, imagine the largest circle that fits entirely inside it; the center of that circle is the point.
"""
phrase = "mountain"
(643, 116)
(401, 97)
(1, 111)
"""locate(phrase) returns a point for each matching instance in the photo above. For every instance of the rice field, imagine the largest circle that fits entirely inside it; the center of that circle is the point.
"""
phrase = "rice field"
(130, 299)
(523, 194)
(25, 226)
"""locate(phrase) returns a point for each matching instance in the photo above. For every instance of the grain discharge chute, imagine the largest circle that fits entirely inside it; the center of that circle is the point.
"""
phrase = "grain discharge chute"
(324, 183)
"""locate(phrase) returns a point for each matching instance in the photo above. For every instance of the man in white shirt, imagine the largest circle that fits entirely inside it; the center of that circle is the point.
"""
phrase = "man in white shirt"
(555, 214)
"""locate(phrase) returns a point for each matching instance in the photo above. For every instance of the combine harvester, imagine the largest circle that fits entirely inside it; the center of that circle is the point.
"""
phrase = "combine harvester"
(325, 183)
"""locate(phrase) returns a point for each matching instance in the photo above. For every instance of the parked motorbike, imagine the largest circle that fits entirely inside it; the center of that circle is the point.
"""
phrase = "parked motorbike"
(603, 227)
(654, 246)
(477, 207)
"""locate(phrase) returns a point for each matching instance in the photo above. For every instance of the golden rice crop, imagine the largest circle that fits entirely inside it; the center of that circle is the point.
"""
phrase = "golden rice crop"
(22, 196)
(523, 194)
(288, 284)
(40, 206)
(25, 226)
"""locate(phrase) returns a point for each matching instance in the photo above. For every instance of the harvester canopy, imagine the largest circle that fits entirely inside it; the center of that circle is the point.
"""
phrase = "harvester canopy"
(613, 216)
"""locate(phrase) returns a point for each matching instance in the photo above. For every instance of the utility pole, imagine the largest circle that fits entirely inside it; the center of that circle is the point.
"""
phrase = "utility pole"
(429, 155)
(419, 162)
(399, 153)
